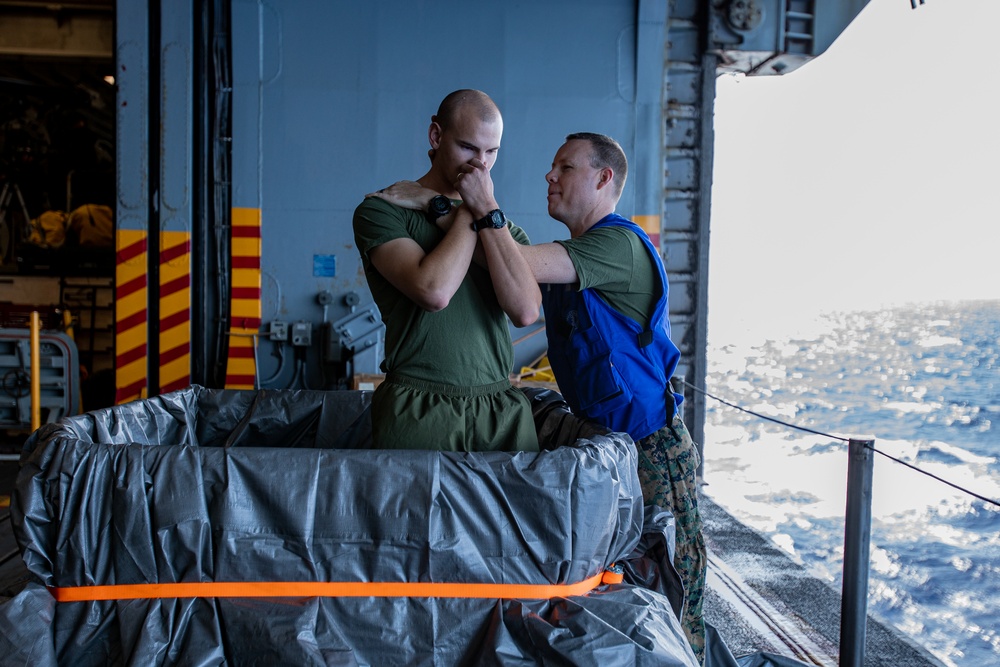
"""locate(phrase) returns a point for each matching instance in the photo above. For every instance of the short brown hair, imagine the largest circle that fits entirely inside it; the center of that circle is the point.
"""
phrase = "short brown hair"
(605, 152)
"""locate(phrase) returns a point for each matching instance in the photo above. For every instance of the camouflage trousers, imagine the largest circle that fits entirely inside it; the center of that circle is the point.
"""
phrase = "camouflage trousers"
(668, 463)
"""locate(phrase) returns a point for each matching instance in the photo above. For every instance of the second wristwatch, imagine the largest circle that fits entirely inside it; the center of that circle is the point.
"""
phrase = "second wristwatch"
(495, 219)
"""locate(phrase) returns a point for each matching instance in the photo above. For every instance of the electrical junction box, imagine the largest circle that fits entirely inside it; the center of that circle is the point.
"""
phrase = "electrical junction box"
(278, 330)
(302, 333)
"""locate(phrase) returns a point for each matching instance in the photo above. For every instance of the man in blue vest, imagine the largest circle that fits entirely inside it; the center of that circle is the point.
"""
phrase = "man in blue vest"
(604, 293)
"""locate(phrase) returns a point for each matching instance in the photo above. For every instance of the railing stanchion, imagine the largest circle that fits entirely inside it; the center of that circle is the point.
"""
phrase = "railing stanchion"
(857, 548)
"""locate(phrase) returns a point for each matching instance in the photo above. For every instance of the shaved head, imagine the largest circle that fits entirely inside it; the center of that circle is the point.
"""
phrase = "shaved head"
(474, 102)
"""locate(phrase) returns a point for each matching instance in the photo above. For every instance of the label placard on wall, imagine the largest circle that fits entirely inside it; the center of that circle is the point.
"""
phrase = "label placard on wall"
(324, 266)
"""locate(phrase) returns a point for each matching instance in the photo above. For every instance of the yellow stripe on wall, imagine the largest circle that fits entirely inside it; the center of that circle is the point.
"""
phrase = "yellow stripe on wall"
(245, 309)
(649, 223)
(131, 326)
(175, 311)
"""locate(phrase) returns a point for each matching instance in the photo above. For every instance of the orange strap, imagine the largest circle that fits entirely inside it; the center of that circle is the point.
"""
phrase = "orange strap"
(280, 589)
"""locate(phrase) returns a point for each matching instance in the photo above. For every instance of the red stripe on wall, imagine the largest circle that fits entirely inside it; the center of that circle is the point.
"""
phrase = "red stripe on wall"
(240, 352)
(130, 287)
(175, 385)
(245, 232)
(240, 262)
(175, 285)
(174, 353)
(131, 321)
(240, 379)
(246, 323)
(131, 251)
(131, 391)
(130, 356)
(168, 254)
(171, 321)
(252, 293)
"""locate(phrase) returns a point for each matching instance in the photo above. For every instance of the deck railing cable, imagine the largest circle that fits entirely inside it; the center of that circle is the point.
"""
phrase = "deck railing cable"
(841, 438)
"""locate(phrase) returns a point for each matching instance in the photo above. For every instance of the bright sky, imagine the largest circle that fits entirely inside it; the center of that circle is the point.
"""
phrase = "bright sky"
(868, 176)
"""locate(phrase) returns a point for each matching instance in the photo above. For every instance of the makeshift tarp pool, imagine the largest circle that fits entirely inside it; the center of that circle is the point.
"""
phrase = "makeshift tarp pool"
(210, 487)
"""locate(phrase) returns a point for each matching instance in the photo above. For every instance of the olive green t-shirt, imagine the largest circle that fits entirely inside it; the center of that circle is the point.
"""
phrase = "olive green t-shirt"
(615, 262)
(468, 342)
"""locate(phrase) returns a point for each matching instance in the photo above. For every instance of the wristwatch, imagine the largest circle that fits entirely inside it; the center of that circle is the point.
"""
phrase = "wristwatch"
(495, 219)
(438, 206)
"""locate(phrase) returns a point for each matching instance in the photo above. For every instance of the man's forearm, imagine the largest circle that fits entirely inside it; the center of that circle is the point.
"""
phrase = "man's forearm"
(515, 285)
(429, 279)
(445, 267)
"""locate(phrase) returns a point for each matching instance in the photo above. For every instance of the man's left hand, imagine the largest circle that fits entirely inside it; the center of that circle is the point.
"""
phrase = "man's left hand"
(476, 187)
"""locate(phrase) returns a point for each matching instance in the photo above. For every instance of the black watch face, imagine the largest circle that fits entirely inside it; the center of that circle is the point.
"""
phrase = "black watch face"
(495, 219)
(440, 205)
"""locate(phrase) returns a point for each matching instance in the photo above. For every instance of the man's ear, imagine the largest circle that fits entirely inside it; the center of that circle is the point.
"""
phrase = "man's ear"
(434, 133)
(606, 177)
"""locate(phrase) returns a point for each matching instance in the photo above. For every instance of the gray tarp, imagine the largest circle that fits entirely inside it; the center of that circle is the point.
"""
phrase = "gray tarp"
(209, 485)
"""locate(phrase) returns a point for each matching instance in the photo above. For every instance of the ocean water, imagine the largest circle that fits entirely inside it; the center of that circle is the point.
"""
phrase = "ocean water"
(924, 381)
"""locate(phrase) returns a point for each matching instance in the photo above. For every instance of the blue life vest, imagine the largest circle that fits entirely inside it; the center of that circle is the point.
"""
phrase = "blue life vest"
(609, 369)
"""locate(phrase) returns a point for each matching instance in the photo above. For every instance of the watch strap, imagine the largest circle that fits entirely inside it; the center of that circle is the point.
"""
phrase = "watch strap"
(495, 219)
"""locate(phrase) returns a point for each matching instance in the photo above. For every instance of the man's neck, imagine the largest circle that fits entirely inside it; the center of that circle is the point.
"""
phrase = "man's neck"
(588, 221)
(439, 184)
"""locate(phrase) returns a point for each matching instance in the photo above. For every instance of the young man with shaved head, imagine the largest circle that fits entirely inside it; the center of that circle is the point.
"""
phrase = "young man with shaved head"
(448, 349)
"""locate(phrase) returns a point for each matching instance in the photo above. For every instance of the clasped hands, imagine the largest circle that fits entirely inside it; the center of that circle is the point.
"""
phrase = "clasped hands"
(473, 183)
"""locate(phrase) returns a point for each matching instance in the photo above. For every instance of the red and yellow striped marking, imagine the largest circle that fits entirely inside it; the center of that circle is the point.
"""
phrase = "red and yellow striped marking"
(245, 311)
(130, 315)
(175, 311)
(651, 225)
